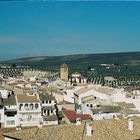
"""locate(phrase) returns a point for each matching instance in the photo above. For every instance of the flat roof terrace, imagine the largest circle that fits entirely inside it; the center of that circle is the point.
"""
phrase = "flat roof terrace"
(105, 90)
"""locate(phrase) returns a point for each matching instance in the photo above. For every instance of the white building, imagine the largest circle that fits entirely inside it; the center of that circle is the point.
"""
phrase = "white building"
(78, 78)
(1, 115)
(118, 96)
(9, 112)
(110, 95)
(5, 93)
(49, 110)
(136, 92)
(33, 79)
(69, 93)
(29, 110)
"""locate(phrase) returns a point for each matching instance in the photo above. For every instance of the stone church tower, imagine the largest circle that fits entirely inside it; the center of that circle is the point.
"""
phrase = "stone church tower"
(64, 72)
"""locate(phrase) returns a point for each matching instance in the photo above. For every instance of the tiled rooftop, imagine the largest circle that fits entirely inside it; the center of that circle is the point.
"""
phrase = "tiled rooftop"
(50, 118)
(126, 105)
(102, 130)
(48, 107)
(83, 90)
(9, 101)
(27, 99)
(72, 115)
(46, 96)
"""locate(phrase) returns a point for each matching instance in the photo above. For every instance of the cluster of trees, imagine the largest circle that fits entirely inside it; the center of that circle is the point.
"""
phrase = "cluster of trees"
(97, 80)
(10, 72)
(123, 75)
(115, 71)
(125, 81)
(14, 71)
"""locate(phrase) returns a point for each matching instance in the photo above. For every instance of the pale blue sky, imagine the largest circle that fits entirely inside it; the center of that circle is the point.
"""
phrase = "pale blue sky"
(61, 28)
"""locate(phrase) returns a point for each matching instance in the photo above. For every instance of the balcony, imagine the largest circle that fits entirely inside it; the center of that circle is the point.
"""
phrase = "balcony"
(30, 110)
(30, 121)
(29, 107)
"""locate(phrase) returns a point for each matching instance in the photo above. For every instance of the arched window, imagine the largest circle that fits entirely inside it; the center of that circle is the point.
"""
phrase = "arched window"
(51, 111)
(26, 106)
(44, 112)
(36, 106)
(31, 106)
(20, 106)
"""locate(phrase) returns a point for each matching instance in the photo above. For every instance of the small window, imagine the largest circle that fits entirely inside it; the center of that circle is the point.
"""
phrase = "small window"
(29, 117)
(44, 111)
(50, 101)
(36, 106)
(26, 107)
(48, 112)
(88, 105)
(11, 122)
(31, 106)
(51, 111)
(43, 102)
(91, 106)
(20, 106)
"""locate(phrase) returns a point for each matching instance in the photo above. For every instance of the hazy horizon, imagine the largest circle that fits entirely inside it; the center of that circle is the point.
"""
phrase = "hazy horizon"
(65, 55)
(30, 29)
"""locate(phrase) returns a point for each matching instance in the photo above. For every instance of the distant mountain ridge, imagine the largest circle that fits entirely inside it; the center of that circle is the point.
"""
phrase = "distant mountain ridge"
(78, 61)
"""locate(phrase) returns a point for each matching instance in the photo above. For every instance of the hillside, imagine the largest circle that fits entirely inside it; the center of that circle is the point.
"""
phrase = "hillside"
(79, 61)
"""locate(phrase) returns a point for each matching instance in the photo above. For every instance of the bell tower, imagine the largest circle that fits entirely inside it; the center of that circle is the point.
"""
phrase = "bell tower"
(64, 72)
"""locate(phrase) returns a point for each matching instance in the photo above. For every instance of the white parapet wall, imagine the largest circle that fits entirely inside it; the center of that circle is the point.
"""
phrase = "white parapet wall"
(10, 121)
(50, 123)
(6, 138)
(105, 116)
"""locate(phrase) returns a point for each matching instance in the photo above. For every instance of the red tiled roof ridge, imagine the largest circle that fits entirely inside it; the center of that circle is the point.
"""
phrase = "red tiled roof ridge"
(72, 115)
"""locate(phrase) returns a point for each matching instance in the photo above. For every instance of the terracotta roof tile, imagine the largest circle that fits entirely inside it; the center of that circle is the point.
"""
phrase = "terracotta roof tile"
(72, 115)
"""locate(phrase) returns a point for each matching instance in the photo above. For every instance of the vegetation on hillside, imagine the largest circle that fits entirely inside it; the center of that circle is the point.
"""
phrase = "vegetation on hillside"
(93, 66)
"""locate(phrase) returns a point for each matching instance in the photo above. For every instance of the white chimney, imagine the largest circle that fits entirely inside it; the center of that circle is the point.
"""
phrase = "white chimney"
(130, 124)
(40, 123)
(78, 121)
(18, 127)
(89, 130)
